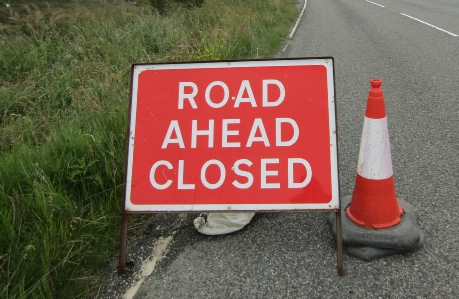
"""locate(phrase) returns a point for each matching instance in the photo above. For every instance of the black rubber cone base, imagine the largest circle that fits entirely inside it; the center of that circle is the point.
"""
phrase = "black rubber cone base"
(369, 244)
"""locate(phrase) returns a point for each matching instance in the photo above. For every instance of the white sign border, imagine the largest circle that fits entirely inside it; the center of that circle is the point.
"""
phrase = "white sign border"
(327, 62)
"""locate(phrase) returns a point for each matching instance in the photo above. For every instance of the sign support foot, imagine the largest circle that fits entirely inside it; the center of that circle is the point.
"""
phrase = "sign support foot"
(123, 243)
(339, 243)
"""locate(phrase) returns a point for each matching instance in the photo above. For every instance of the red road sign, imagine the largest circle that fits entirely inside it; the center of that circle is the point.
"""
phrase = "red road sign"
(239, 135)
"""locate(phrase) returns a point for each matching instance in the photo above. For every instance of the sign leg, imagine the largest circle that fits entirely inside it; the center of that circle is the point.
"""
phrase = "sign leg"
(123, 243)
(339, 244)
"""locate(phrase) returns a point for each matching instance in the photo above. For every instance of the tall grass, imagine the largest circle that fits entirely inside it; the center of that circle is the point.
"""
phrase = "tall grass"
(64, 94)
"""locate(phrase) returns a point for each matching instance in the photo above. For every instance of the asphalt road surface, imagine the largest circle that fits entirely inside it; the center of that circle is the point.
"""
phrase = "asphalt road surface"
(412, 45)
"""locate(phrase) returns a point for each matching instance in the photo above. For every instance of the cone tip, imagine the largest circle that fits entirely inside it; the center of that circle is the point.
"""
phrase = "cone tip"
(376, 83)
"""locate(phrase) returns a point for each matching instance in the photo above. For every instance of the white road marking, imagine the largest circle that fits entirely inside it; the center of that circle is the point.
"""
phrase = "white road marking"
(375, 3)
(285, 48)
(433, 26)
(299, 19)
(149, 265)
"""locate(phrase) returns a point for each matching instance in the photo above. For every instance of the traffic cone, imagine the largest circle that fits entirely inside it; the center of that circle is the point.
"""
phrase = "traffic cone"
(374, 203)
(374, 222)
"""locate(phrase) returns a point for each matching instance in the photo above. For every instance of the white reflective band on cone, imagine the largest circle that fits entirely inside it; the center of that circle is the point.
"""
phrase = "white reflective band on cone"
(222, 223)
(375, 160)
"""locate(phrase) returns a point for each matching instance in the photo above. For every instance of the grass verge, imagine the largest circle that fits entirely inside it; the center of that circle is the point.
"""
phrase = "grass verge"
(63, 107)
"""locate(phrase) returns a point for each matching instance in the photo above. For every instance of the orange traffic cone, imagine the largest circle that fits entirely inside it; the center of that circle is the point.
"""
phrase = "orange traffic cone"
(376, 223)
(374, 203)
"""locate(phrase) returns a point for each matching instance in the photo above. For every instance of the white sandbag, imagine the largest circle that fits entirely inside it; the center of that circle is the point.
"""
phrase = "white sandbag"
(222, 223)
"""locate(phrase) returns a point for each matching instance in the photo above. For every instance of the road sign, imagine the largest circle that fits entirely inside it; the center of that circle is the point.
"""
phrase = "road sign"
(235, 135)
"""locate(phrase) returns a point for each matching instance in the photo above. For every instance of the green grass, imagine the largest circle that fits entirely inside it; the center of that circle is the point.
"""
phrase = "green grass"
(64, 93)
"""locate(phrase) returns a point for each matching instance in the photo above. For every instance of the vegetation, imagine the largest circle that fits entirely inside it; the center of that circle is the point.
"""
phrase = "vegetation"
(64, 93)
